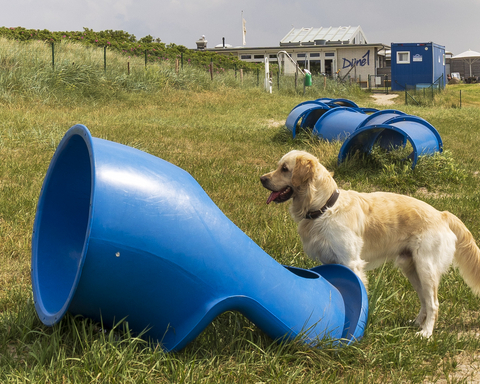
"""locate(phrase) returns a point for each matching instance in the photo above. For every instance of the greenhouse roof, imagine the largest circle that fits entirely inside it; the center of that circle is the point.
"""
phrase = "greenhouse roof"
(321, 36)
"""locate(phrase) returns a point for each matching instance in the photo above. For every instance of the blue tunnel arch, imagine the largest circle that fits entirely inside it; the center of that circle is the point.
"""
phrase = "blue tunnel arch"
(361, 128)
(422, 136)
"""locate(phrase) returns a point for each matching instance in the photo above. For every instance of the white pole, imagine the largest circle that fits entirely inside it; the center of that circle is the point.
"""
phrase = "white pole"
(268, 83)
(244, 31)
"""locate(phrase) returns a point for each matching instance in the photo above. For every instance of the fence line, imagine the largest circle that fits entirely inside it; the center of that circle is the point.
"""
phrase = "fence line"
(416, 95)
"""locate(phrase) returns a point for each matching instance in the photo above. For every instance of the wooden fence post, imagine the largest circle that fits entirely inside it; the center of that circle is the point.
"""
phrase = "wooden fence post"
(53, 55)
(296, 78)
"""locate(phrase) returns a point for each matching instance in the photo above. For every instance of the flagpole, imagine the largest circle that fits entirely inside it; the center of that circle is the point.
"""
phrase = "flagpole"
(244, 30)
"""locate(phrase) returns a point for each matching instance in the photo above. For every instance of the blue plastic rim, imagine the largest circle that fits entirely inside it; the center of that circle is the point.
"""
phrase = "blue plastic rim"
(380, 117)
(121, 234)
(309, 112)
(59, 242)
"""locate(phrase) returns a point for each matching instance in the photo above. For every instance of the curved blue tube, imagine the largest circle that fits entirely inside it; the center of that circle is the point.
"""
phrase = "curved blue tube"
(410, 124)
(342, 103)
(338, 123)
(423, 137)
(324, 99)
(342, 119)
(308, 112)
(381, 117)
(368, 110)
(309, 102)
(120, 233)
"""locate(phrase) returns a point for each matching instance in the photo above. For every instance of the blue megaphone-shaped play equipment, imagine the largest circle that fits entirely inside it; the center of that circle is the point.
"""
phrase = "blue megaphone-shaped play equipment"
(120, 233)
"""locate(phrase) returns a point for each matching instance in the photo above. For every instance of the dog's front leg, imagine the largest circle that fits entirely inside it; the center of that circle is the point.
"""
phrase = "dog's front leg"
(344, 250)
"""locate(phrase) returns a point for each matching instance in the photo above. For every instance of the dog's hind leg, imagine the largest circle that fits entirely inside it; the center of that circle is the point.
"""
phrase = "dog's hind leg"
(430, 261)
(429, 288)
(406, 264)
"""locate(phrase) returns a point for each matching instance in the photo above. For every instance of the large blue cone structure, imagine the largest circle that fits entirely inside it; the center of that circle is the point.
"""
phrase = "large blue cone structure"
(121, 234)
(343, 120)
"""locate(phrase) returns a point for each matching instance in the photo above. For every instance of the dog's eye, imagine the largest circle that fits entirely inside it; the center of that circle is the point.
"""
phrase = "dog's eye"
(284, 168)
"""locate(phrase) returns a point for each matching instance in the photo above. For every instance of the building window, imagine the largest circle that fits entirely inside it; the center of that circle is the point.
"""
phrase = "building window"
(258, 56)
(272, 56)
(329, 54)
(403, 57)
(301, 54)
(315, 54)
(245, 57)
(315, 66)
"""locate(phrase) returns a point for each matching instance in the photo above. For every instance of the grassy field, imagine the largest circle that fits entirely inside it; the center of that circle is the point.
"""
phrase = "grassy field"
(226, 135)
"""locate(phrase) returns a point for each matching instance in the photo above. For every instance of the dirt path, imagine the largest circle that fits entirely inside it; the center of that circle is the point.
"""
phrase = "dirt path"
(384, 99)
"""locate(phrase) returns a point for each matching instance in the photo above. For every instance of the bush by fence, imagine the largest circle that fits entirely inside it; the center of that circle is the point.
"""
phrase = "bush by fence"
(127, 45)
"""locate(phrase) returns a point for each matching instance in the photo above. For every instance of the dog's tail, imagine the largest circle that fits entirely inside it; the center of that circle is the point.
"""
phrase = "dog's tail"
(467, 254)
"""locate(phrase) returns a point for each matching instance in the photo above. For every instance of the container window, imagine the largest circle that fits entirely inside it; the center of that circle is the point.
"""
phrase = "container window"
(403, 57)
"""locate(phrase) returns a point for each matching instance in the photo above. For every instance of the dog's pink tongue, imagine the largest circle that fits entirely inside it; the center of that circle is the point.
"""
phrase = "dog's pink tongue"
(272, 197)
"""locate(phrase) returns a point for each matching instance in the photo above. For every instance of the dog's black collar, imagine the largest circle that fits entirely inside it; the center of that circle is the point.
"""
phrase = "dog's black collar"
(330, 202)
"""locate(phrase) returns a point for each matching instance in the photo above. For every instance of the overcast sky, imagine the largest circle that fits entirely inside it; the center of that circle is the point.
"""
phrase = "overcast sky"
(453, 24)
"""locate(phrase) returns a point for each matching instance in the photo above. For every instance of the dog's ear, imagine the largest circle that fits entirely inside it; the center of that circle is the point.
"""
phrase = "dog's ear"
(304, 170)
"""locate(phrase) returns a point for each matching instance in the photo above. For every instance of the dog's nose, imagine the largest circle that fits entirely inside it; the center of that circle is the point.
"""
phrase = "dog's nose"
(263, 179)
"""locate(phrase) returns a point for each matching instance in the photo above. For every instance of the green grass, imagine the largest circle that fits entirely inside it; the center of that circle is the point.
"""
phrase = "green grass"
(226, 135)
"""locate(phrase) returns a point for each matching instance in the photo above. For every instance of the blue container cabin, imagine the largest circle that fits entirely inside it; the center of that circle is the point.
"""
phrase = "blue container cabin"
(417, 65)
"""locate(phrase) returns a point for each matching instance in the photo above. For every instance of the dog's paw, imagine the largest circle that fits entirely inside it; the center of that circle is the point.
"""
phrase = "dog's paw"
(415, 323)
(424, 334)
(420, 320)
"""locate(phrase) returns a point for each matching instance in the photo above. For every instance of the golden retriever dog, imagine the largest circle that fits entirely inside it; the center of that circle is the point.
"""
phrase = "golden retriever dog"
(364, 230)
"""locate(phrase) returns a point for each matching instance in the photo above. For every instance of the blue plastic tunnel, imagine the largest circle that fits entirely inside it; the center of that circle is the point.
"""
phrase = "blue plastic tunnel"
(308, 113)
(396, 131)
(338, 123)
(361, 128)
(121, 234)
(380, 117)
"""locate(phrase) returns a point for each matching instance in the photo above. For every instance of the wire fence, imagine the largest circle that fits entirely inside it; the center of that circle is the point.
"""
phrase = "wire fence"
(251, 77)
(422, 93)
(66, 60)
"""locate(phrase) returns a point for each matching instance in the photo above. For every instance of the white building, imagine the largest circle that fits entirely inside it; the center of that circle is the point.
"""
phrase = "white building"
(334, 51)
